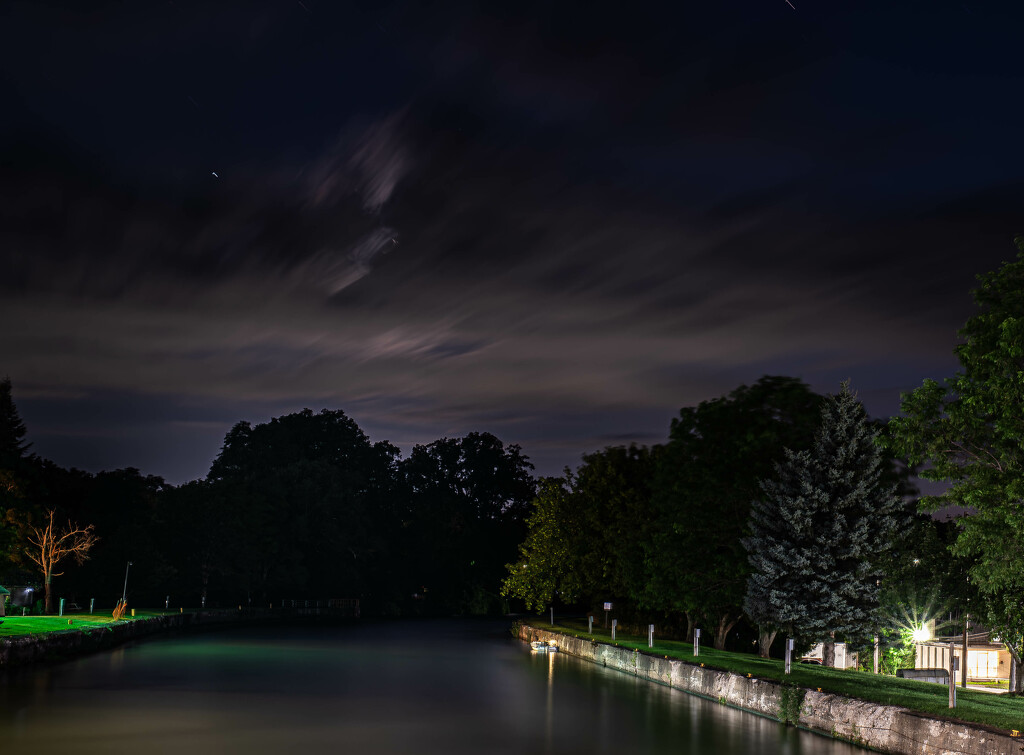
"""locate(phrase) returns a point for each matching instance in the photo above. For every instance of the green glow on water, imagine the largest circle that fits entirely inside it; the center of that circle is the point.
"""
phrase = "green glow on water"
(396, 689)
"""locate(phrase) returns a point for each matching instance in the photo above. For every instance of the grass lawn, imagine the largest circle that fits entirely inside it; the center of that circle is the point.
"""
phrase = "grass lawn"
(1002, 711)
(15, 626)
(1002, 684)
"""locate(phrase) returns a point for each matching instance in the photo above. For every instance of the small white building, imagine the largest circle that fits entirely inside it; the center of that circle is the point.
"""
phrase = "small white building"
(986, 660)
(843, 658)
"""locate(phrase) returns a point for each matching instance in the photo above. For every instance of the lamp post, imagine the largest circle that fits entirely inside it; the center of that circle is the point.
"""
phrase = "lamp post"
(124, 593)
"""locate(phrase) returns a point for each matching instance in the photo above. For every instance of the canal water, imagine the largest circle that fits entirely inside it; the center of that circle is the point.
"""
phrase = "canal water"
(412, 687)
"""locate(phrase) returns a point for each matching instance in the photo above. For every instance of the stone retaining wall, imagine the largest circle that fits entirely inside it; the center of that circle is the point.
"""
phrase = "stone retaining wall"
(886, 728)
(24, 649)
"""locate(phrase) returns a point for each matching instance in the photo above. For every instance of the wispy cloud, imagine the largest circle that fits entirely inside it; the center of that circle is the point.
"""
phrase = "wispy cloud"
(369, 162)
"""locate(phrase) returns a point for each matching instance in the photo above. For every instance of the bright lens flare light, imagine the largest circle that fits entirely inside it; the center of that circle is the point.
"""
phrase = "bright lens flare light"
(921, 634)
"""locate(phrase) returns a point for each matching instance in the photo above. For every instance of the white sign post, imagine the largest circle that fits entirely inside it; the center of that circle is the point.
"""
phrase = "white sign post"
(789, 654)
(696, 642)
(650, 635)
(590, 624)
(952, 676)
(614, 622)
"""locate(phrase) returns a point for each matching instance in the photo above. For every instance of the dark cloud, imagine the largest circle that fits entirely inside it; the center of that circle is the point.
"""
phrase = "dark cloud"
(556, 226)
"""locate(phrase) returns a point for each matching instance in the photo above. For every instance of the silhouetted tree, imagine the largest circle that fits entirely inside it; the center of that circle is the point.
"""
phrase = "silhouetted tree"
(468, 502)
(13, 447)
(196, 527)
(303, 500)
(14, 463)
(123, 506)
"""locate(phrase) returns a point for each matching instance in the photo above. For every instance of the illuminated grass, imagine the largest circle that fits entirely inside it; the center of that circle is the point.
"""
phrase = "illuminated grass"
(17, 626)
(992, 709)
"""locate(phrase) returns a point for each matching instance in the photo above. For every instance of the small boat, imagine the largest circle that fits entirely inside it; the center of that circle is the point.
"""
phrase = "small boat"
(544, 647)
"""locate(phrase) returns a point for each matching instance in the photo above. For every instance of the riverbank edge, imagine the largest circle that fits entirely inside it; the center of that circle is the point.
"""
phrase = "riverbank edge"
(885, 728)
(63, 645)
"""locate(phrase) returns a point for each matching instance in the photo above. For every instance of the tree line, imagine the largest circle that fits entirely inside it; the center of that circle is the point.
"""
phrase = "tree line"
(772, 506)
(302, 507)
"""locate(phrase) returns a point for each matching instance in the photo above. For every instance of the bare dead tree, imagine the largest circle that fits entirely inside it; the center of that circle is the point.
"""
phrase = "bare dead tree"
(50, 546)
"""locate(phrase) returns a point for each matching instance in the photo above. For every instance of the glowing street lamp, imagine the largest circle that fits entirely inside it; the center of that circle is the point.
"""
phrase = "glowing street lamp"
(921, 634)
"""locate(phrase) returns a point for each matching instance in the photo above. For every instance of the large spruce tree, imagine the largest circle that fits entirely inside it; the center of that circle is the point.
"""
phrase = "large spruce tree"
(13, 449)
(12, 429)
(818, 530)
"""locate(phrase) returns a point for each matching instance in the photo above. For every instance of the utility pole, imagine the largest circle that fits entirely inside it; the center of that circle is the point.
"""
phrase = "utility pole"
(124, 593)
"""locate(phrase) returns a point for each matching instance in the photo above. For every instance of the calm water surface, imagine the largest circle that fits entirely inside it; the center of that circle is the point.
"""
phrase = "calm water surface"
(423, 687)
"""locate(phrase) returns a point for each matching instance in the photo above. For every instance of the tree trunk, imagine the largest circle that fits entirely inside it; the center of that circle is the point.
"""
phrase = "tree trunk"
(725, 623)
(47, 595)
(828, 651)
(765, 638)
(1016, 680)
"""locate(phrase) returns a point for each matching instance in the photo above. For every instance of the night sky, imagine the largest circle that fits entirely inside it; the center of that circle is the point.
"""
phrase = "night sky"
(555, 223)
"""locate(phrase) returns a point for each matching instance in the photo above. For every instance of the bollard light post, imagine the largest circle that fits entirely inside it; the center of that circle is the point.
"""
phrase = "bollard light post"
(590, 624)
(92, 604)
(789, 654)
(696, 642)
(60, 611)
(963, 652)
(650, 635)
(167, 603)
(552, 615)
(614, 624)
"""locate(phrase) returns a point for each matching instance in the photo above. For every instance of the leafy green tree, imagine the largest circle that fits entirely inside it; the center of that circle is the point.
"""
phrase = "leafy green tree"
(819, 529)
(586, 532)
(553, 560)
(968, 432)
(707, 475)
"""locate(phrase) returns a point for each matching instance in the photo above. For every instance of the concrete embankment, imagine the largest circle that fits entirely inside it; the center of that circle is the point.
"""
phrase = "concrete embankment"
(70, 643)
(886, 728)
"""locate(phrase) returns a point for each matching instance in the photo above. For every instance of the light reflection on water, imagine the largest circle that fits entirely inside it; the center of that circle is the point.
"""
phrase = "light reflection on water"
(424, 687)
